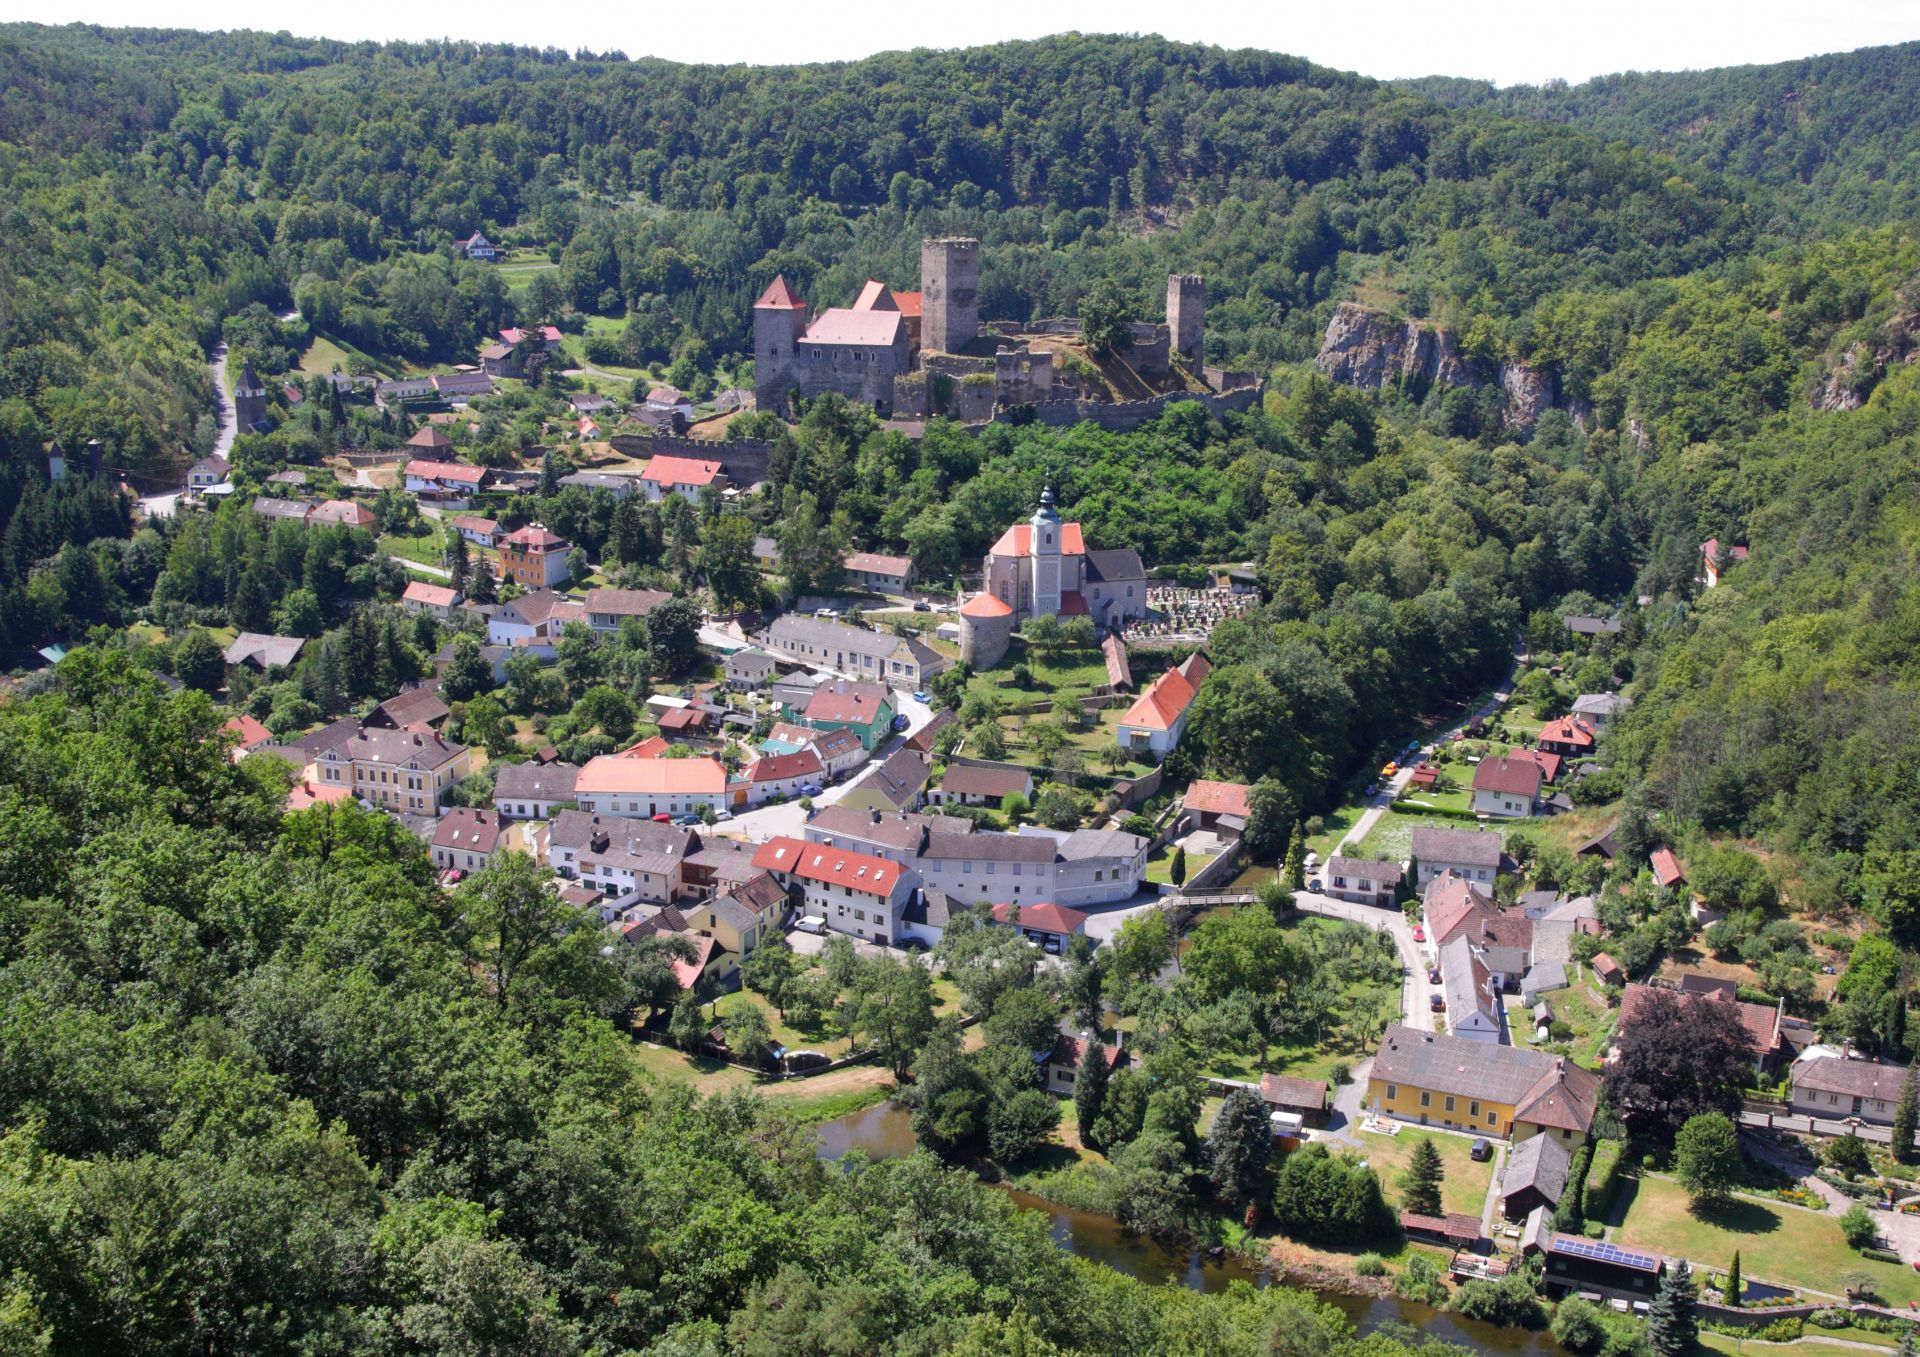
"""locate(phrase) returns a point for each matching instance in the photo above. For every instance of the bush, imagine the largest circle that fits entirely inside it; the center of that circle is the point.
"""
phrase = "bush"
(1509, 1301)
(1370, 1265)
(1594, 1229)
(1879, 1255)
(1341, 1072)
(1832, 1319)
(1849, 1155)
(1578, 1325)
(1781, 1331)
(1858, 1227)
(1421, 1280)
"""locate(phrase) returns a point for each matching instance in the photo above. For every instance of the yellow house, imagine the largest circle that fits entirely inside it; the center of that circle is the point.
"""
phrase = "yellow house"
(404, 771)
(1440, 1080)
(742, 918)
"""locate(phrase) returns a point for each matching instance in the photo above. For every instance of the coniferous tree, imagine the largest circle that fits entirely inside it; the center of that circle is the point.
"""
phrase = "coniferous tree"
(1420, 1184)
(1295, 873)
(1089, 1097)
(1906, 1116)
(457, 561)
(1240, 1148)
(1673, 1328)
(1731, 1292)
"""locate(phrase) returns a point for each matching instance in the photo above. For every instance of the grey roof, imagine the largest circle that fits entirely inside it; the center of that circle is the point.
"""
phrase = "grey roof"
(1505, 960)
(375, 745)
(898, 779)
(1599, 704)
(263, 650)
(931, 909)
(1471, 847)
(1536, 903)
(1539, 1162)
(634, 845)
(269, 507)
(625, 602)
(327, 737)
(1592, 626)
(752, 661)
(1115, 563)
(1464, 979)
(727, 859)
(1000, 779)
(1368, 869)
(1083, 844)
(599, 480)
(900, 830)
(535, 781)
(823, 633)
(415, 705)
(1542, 977)
(951, 847)
(1513, 1075)
(1855, 1078)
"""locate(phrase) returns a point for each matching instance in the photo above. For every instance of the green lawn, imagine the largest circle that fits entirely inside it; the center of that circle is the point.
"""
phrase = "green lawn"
(1059, 674)
(1458, 800)
(806, 1039)
(1464, 1188)
(517, 275)
(1592, 1022)
(1777, 1243)
(1809, 1346)
(425, 549)
(1160, 865)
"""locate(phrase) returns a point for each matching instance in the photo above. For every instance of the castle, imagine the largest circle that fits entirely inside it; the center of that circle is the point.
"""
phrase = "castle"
(1042, 568)
(920, 353)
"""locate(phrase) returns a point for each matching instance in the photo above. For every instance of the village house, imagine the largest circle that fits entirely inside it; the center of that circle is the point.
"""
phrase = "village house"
(257, 650)
(402, 771)
(465, 840)
(607, 609)
(872, 570)
(1713, 558)
(1472, 996)
(857, 651)
(774, 777)
(1567, 737)
(274, 510)
(417, 707)
(866, 709)
(249, 735)
(840, 751)
(683, 476)
(1069, 1054)
(975, 785)
(1468, 1085)
(1666, 869)
(533, 791)
(206, 473)
(1577, 1265)
(748, 671)
(457, 388)
(1154, 723)
(1507, 787)
(477, 247)
(482, 532)
(629, 861)
(1361, 881)
(1295, 1097)
(1828, 1084)
(1592, 626)
(616, 485)
(438, 600)
(742, 918)
(894, 785)
(431, 479)
(895, 835)
(541, 615)
(534, 558)
(1052, 926)
(1598, 710)
(502, 360)
(1472, 854)
(343, 513)
(851, 892)
(1535, 1176)
(1079, 868)
(646, 788)
(549, 335)
(1219, 807)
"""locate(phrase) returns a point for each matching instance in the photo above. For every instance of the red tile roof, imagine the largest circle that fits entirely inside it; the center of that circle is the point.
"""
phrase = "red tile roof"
(252, 733)
(875, 563)
(666, 471)
(819, 862)
(984, 605)
(657, 777)
(874, 296)
(1507, 776)
(778, 767)
(433, 595)
(430, 437)
(468, 830)
(1045, 918)
(1217, 798)
(1167, 698)
(653, 747)
(342, 511)
(307, 793)
(1711, 548)
(1018, 541)
(1666, 867)
(854, 704)
(1567, 731)
(534, 537)
(780, 294)
(908, 302)
(428, 470)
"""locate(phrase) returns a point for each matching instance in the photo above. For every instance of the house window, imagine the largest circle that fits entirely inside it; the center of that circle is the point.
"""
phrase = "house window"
(1426, 1099)
(1473, 1108)
(1392, 1092)
(1449, 1102)
(1492, 1119)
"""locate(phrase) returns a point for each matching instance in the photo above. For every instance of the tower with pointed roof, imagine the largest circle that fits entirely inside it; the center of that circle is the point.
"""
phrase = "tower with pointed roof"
(249, 399)
(56, 462)
(1045, 524)
(779, 320)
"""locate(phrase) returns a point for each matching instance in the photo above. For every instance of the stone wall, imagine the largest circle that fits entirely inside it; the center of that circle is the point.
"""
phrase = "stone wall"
(973, 400)
(743, 461)
(1122, 416)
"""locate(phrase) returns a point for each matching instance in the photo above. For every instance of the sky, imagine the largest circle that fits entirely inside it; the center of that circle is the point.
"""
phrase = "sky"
(1506, 41)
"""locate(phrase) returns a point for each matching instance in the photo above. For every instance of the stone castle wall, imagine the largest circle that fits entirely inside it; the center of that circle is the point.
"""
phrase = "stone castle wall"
(744, 461)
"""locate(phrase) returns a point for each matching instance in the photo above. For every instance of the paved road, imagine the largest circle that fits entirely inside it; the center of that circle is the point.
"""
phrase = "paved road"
(1415, 1006)
(222, 402)
(1389, 793)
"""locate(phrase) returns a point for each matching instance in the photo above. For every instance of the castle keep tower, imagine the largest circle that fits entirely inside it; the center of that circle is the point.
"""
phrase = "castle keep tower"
(950, 288)
(1187, 316)
(249, 399)
(779, 319)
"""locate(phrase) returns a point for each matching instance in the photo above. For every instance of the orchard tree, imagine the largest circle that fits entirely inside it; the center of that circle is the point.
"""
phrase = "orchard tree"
(1706, 1157)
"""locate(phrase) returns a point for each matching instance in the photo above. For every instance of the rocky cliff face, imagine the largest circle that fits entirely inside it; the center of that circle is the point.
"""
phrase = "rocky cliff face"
(1370, 349)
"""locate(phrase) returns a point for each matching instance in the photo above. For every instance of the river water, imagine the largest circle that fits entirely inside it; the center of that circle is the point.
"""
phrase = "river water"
(883, 1131)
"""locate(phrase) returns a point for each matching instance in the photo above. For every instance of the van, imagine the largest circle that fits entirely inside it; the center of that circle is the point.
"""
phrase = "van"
(811, 923)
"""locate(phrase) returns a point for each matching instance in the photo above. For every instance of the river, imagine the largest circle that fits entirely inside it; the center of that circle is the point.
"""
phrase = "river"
(883, 1132)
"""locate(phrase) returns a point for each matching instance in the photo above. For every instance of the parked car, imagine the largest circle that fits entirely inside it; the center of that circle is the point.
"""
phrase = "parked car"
(686, 819)
(1390, 769)
(663, 819)
(922, 606)
(1481, 1150)
(811, 789)
(1433, 975)
(1314, 885)
(919, 697)
(1437, 1002)
(723, 815)
(1419, 933)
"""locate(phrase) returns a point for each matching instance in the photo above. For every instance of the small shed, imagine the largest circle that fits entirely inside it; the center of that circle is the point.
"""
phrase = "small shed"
(1608, 970)
(1305, 1098)
(1536, 1176)
(1453, 1229)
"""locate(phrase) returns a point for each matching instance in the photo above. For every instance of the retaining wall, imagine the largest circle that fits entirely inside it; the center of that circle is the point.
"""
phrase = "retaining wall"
(743, 460)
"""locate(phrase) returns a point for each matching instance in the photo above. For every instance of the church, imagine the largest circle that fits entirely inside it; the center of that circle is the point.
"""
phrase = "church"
(1042, 568)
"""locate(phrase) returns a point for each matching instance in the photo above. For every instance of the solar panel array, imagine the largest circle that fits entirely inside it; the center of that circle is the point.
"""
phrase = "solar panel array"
(1601, 1251)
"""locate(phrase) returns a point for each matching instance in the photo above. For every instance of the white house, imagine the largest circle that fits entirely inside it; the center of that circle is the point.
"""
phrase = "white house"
(772, 776)
(533, 791)
(1473, 1003)
(1153, 724)
(646, 788)
(1507, 786)
(477, 247)
(854, 893)
(1828, 1085)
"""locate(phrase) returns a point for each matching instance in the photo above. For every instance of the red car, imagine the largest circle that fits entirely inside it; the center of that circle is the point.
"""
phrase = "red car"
(1419, 933)
(663, 819)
